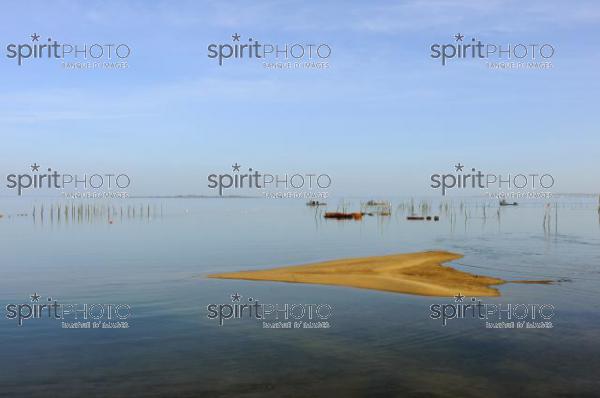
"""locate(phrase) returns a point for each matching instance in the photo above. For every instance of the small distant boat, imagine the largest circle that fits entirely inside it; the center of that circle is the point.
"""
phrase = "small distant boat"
(344, 216)
(377, 203)
(315, 203)
(505, 203)
(382, 207)
(421, 218)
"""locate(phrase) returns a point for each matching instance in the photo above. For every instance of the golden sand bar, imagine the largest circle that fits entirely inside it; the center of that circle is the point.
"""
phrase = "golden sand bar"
(413, 273)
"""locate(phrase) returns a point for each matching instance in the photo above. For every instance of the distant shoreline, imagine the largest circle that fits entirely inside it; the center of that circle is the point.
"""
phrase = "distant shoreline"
(195, 197)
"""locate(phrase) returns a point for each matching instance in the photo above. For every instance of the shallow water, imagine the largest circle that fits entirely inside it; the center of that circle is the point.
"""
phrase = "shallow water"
(379, 343)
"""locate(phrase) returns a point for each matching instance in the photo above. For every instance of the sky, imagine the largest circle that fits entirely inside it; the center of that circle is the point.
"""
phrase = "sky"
(380, 119)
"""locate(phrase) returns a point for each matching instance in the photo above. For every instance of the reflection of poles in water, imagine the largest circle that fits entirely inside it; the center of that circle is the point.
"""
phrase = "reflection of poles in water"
(547, 222)
(555, 218)
(317, 217)
(499, 218)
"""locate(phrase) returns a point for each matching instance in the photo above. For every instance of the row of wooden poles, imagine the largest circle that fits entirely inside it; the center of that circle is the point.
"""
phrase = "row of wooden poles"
(90, 212)
(481, 211)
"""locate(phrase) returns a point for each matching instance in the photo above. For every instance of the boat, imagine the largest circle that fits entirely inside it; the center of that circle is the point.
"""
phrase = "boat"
(505, 203)
(422, 218)
(344, 216)
(382, 207)
(377, 203)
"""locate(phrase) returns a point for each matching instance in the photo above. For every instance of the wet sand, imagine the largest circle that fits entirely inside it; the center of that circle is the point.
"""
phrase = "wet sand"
(419, 273)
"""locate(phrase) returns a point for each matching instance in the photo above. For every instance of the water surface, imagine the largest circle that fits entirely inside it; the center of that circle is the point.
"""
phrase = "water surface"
(380, 344)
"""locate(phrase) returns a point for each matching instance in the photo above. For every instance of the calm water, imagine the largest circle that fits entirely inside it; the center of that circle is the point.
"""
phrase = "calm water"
(380, 344)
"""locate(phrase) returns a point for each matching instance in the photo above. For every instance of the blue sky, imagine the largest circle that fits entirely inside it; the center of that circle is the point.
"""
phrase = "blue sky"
(381, 119)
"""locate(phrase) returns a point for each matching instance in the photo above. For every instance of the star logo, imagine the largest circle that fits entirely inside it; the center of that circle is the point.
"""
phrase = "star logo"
(235, 297)
(35, 37)
(459, 298)
(35, 297)
(459, 167)
(459, 37)
(236, 167)
(236, 37)
(35, 167)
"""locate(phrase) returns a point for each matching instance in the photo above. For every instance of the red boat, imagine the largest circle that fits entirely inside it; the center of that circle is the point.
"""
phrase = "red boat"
(344, 216)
